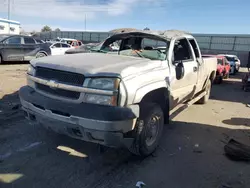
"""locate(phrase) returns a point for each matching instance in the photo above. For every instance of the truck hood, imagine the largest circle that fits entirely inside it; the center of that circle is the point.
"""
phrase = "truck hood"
(97, 64)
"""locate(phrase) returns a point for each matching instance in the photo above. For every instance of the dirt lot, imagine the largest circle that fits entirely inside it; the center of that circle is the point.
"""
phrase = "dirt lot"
(190, 155)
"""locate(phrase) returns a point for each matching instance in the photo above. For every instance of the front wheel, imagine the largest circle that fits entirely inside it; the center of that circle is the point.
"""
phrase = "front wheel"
(149, 129)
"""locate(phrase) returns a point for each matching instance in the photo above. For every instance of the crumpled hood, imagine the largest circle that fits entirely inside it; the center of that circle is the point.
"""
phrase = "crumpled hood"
(91, 64)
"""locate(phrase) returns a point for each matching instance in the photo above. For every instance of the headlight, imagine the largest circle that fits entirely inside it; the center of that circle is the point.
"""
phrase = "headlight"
(111, 84)
(101, 99)
(104, 83)
(31, 70)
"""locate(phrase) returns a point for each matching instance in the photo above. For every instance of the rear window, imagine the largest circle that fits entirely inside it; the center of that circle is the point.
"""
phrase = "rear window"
(231, 58)
(220, 61)
(28, 40)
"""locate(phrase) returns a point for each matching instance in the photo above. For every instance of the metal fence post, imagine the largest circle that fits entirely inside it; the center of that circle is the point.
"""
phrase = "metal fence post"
(210, 43)
(233, 48)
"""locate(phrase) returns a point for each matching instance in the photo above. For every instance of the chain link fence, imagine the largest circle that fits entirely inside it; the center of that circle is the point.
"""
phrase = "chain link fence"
(209, 44)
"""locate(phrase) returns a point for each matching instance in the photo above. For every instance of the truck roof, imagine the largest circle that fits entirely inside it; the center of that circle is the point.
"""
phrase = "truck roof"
(167, 34)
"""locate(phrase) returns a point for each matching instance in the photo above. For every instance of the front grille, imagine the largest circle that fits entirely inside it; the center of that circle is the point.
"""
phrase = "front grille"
(58, 92)
(60, 76)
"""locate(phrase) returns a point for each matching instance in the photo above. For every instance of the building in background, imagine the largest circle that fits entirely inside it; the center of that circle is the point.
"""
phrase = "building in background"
(9, 27)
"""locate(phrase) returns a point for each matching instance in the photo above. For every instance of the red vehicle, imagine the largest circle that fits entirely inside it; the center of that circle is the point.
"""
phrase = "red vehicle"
(223, 68)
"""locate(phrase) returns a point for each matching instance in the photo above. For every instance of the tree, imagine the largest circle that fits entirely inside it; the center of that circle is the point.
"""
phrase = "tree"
(46, 29)
(146, 29)
(57, 29)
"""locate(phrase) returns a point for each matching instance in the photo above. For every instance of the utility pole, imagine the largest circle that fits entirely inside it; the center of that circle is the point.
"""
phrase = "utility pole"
(9, 14)
(85, 22)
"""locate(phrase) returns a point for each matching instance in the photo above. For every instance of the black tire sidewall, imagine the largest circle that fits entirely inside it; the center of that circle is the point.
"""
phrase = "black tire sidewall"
(148, 110)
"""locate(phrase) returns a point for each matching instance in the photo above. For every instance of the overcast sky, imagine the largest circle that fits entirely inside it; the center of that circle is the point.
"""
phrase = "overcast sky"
(197, 16)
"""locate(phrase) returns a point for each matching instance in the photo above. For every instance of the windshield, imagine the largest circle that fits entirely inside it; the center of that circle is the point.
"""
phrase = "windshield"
(231, 58)
(143, 47)
(2, 37)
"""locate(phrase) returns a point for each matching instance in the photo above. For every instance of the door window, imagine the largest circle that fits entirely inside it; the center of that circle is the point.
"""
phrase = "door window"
(14, 40)
(182, 51)
(195, 48)
(65, 45)
(28, 40)
(57, 45)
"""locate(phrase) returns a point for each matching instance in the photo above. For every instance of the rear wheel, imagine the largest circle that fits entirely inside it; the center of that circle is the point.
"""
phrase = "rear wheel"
(148, 130)
(226, 76)
(1, 60)
(205, 98)
(40, 54)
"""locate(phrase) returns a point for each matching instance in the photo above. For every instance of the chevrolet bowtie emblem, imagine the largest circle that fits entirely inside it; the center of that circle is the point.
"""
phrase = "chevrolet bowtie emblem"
(52, 84)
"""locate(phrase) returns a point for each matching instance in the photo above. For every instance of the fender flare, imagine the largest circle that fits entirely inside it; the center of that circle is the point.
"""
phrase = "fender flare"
(141, 92)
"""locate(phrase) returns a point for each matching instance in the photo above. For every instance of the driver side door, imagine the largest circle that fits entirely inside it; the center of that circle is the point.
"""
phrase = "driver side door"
(184, 88)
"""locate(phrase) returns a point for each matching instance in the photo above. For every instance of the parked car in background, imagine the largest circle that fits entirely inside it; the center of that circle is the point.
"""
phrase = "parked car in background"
(122, 99)
(72, 42)
(84, 48)
(21, 48)
(234, 62)
(223, 68)
(59, 48)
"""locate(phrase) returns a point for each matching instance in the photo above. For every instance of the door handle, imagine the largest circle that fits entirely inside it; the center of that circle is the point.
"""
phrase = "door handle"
(195, 69)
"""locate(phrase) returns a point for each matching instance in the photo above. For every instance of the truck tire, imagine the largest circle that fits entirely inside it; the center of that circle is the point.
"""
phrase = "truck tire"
(205, 98)
(40, 54)
(226, 76)
(148, 130)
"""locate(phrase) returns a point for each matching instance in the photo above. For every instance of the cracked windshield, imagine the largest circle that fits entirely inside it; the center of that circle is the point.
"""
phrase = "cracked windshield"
(124, 94)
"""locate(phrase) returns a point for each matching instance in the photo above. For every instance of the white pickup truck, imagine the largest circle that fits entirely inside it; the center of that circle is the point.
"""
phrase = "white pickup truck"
(119, 98)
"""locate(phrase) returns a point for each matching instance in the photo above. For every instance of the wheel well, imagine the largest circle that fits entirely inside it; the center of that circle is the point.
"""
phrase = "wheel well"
(42, 52)
(161, 97)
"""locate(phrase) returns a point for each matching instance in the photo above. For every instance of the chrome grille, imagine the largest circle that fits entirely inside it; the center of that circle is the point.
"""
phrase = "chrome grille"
(58, 92)
(60, 76)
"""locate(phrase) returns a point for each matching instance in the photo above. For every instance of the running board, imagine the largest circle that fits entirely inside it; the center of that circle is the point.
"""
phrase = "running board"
(181, 107)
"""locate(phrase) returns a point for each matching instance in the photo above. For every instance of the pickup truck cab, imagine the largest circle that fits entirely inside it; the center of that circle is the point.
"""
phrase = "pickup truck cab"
(123, 98)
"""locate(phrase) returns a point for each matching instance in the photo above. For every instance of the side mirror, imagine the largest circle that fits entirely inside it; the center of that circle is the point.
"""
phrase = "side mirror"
(179, 69)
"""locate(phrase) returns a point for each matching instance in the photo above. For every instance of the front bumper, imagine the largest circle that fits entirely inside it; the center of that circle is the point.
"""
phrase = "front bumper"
(90, 122)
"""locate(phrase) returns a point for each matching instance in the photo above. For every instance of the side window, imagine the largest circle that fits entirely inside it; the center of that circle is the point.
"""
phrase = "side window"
(195, 47)
(57, 45)
(14, 40)
(182, 51)
(65, 46)
(28, 40)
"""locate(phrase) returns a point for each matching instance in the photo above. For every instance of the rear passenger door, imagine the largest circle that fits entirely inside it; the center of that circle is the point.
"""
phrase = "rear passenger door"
(13, 50)
(185, 87)
(30, 48)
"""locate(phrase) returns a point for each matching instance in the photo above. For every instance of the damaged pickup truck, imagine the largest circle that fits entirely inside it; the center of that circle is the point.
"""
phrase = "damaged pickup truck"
(123, 98)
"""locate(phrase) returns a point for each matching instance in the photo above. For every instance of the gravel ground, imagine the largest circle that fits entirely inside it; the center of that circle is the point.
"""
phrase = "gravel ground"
(190, 155)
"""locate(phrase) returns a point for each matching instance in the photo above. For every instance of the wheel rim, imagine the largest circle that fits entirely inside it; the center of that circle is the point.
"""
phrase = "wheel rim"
(39, 55)
(152, 130)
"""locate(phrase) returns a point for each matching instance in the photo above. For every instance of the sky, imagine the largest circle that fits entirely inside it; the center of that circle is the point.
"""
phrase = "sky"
(196, 16)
